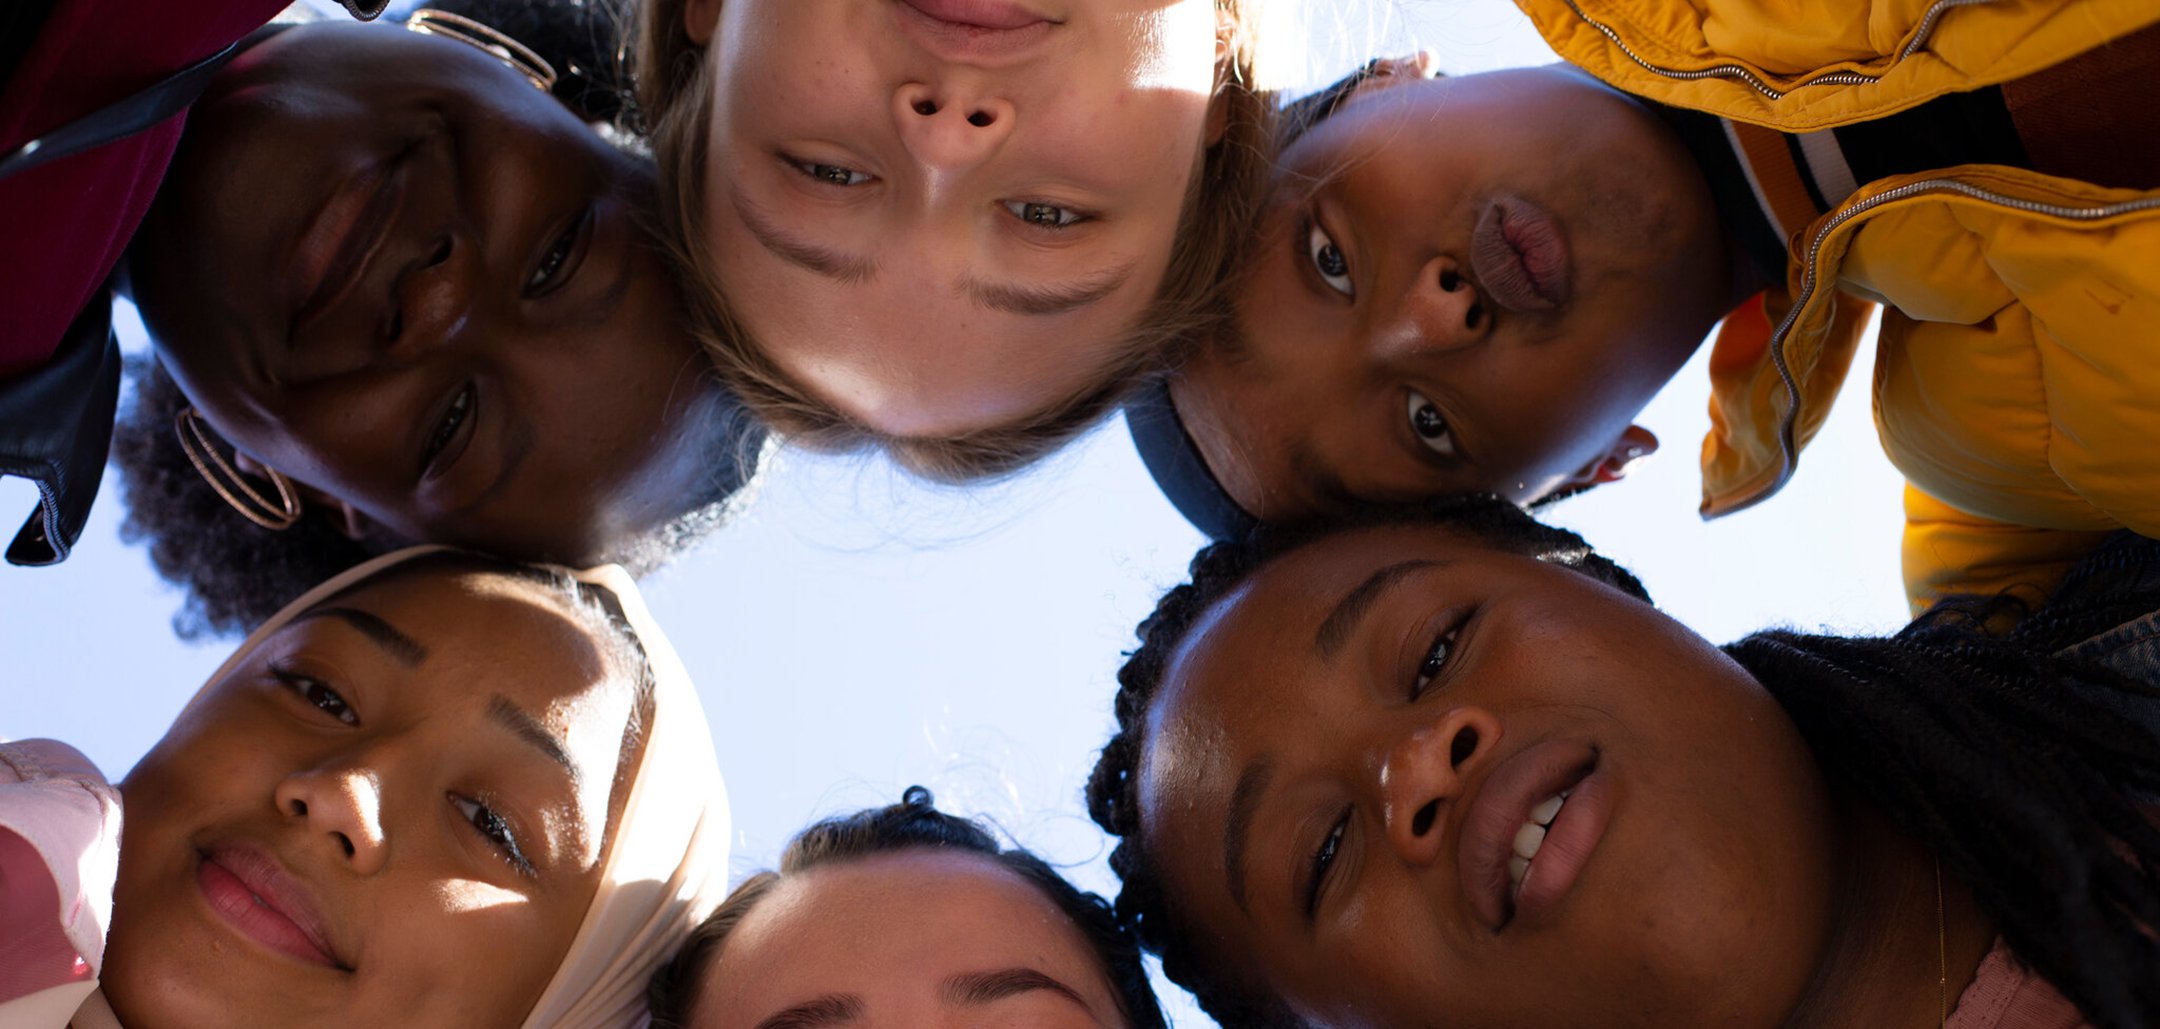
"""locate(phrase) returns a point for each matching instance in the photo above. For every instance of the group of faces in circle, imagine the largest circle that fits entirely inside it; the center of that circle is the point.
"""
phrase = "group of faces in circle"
(1398, 766)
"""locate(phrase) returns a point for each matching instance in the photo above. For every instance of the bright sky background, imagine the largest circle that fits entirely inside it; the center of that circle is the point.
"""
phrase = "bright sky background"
(855, 632)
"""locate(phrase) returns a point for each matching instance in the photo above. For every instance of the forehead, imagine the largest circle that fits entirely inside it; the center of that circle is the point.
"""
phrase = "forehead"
(901, 921)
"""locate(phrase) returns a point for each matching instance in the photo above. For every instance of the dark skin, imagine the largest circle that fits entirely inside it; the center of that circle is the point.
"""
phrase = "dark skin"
(1379, 356)
(1722, 882)
(387, 266)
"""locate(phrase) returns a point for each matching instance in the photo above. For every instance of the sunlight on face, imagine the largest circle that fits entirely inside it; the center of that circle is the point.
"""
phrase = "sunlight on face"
(940, 217)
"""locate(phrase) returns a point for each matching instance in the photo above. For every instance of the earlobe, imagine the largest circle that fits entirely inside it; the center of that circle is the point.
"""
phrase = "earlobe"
(1635, 443)
(700, 18)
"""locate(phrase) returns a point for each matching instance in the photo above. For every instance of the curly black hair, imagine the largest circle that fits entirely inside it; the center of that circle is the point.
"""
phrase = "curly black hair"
(913, 823)
(2021, 765)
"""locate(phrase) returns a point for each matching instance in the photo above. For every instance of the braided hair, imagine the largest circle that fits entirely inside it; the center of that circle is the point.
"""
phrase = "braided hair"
(912, 824)
(2022, 768)
(1113, 787)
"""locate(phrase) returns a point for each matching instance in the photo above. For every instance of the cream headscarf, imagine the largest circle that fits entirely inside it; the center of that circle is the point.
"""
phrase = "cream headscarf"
(666, 866)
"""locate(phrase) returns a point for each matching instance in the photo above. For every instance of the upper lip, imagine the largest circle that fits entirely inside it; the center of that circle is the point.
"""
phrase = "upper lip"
(1499, 808)
(334, 248)
(972, 31)
(1508, 235)
(280, 891)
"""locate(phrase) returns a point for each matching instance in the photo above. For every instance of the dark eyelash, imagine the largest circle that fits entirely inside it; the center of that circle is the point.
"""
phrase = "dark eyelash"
(1323, 860)
(497, 831)
(546, 278)
(303, 684)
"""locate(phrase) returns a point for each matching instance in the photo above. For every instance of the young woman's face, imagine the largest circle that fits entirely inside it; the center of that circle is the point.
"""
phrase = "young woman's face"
(391, 813)
(387, 266)
(1464, 284)
(914, 938)
(1351, 751)
(940, 215)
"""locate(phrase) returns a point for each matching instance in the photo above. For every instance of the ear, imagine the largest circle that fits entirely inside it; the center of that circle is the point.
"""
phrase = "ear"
(1634, 444)
(350, 520)
(700, 18)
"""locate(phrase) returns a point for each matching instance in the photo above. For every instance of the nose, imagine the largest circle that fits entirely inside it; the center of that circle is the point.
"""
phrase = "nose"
(952, 125)
(1441, 311)
(1424, 772)
(431, 303)
(342, 806)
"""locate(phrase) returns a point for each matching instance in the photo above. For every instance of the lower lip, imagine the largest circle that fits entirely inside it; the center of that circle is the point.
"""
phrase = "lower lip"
(237, 906)
(1569, 841)
(971, 30)
(1520, 256)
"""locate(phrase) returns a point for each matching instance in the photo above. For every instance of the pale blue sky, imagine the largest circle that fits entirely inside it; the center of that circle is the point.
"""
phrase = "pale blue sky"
(856, 632)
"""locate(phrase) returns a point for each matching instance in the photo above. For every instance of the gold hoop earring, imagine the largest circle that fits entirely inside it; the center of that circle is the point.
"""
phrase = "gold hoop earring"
(229, 483)
(488, 40)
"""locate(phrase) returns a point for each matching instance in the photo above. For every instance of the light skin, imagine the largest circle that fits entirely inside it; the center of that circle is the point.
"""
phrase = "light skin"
(1339, 771)
(507, 368)
(427, 763)
(933, 237)
(918, 937)
(1378, 357)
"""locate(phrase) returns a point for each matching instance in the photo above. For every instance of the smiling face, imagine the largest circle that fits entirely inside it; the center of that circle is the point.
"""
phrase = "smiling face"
(1460, 285)
(402, 779)
(387, 266)
(1349, 752)
(917, 937)
(943, 215)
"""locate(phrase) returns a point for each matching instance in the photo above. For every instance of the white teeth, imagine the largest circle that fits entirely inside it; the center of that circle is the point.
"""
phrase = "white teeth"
(1543, 813)
(1531, 837)
(1528, 839)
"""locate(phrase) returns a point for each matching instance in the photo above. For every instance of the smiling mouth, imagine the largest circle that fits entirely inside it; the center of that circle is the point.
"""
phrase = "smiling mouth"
(334, 249)
(1531, 828)
(967, 31)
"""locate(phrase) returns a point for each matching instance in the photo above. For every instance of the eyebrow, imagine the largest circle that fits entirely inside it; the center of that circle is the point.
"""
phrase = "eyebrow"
(831, 1009)
(1013, 298)
(1352, 608)
(402, 648)
(1244, 803)
(1046, 300)
(976, 988)
(800, 252)
(520, 722)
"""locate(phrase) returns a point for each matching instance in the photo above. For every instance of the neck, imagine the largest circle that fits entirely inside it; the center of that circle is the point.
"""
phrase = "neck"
(1890, 934)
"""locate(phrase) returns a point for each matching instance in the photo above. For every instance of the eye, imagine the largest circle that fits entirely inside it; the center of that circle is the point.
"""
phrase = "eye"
(1323, 860)
(1434, 663)
(1430, 427)
(317, 694)
(1047, 216)
(553, 269)
(493, 828)
(830, 174)
(1328, 260)
(460, 409)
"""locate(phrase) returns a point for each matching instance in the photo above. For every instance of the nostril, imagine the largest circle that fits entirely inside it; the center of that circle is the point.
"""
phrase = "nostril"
(299, 807)
(982, 119)
(1475, 315)
(926, 108)
(1450, 280)
(1421, 823)
(345, 842)
(441, 252)
(1465, 744)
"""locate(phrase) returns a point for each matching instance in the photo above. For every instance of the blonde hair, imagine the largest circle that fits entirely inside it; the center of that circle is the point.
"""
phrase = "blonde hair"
(674, 92)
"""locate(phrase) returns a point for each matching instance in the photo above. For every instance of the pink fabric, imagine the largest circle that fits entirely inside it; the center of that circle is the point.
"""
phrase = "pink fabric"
(2006, 995)
(59, 852)
(68, 221)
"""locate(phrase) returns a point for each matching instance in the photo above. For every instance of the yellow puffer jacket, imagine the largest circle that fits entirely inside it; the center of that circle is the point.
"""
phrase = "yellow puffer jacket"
(2017, 374)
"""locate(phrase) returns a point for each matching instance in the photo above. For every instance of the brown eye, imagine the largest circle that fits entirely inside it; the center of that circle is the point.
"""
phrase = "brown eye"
(831, 174)
(1328, 260)
(1045, 216)
(1430, 426)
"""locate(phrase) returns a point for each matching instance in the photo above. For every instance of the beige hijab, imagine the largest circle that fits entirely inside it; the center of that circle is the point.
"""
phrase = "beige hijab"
(666, 868)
